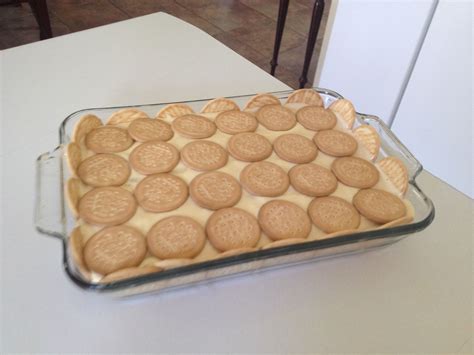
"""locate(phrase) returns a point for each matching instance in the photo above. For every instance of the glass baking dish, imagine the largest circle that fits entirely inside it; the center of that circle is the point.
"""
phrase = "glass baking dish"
(54, 218)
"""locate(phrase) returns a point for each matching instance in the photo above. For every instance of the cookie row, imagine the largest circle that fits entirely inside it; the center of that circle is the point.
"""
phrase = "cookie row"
(177, 237)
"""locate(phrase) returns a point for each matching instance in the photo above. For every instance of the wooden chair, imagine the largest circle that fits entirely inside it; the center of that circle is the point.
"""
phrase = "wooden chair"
(40, 11)
(312, 35)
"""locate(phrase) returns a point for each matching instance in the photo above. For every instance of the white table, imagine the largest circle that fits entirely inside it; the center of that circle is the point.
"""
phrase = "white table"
(415, 296)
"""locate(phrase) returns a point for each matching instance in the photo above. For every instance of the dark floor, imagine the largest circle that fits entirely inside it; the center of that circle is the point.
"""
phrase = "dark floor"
(246, 26)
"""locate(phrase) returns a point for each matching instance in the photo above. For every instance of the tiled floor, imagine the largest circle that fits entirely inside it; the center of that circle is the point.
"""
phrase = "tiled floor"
(246, 26)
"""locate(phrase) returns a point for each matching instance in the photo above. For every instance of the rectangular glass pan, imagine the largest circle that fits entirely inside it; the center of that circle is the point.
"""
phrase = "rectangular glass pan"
(54, 218)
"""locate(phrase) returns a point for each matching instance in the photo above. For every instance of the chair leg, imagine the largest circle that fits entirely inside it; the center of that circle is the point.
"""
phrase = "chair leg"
(282, 11)
(313, 34)
(40, 10)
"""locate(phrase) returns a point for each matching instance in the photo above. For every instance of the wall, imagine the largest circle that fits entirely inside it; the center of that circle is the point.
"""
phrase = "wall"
(435, 116)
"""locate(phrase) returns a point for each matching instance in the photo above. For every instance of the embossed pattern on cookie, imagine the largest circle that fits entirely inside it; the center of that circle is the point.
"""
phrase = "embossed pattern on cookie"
(154, 157)
(249, 147)
(146, 129)
(232, 228)
(233, 122)
(114, 248)
(174, 110)
(264, 179)
(215, 190)
(305, 96)
(335, 143)
(161, 192)
(176, 237)
(355, 172)
(312, 180)
(295, 148)
(204, 155)
(220, 104)
(104, 170)
(276, 117)
(194, 126)
(126, 116)
(333, 214)
(281, 219)
(107, 206)
(108, 139)
(316, 118)
(379, 206)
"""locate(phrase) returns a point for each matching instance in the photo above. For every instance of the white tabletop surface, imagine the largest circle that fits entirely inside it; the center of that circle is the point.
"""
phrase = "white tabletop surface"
(414, 296)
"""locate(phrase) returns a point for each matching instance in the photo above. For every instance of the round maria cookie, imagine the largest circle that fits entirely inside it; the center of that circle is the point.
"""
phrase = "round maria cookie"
(335, 143)
(295, 148)
(161, 192)
(249, 147)
(355, 172)
(154, 157)
(176, 237)
(194, 126)
(107, 206)
(114, 248)
(276, 117)
(108, 139)
(215, 190)
(235, 121)
(264, 179)
(312, 180)
(104, 170)
(281, 219)
(379, 206)
(232, 228)
(316, 118)
(204, 155)
(333, 214)
(148, 129)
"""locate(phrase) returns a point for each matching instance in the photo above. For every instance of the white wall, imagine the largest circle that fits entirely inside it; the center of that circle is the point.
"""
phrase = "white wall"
(368, 49)
(435, 116)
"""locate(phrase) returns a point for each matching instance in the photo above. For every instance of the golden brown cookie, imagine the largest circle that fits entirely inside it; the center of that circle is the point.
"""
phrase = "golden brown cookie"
(264, 179)
(261, 100)
(194, 126)
(108, 139)
(73, 190)
(128, 273)
(114, 248)
(104, 170)
(174, 110)
(233, 122)
(333, 214)
(154, 157)
(107, 206)
(281, 219)
(305, 96)
(283, 243)
(204, 155)
(220, 105)
(396, 172)
(73, 157)
(76, 249)
(369, 138)
(232, 228)
(176, 237)
(85, 124)
(126, 116)
(147, 129)
(316, 118)
(234, 252)
(379, 206)
(249, 147)
(335, 143)
(355, 172)
(295, 148)
(276, 117)
(346, 111)
(312, 180)
(215, 190)
(161, 192)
